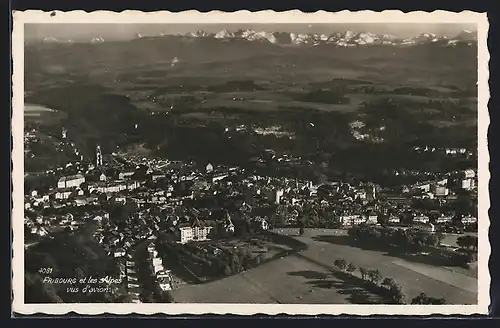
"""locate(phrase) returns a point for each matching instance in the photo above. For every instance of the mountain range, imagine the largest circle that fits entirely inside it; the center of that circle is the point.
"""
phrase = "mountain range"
(342, 39)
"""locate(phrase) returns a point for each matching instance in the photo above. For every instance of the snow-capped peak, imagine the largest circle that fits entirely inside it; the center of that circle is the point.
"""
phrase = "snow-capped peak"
(198, 34)
(49, 39)
(345, 39)
(466, 35)
(97, 39)
(224, 34)
(262, 36)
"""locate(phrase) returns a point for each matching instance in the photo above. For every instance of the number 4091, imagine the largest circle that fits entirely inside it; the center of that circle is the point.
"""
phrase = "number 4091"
(45, 270)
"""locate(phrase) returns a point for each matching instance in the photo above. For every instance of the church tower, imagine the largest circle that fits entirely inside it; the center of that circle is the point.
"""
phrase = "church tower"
(98, 156)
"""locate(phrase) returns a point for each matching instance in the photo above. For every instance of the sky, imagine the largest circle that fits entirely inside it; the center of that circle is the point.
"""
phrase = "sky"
(76, 32)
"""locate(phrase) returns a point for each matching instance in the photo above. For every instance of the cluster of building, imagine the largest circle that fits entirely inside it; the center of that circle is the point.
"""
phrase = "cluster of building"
(178, 191)
(162, 275)
(447, 151)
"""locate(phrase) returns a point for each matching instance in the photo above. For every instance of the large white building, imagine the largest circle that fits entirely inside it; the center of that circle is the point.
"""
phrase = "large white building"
(469, 219)
(63, 193)
(70, 181)
(194, 233)
(468, 183)
(441, 191)
(350, 220)
(421, 219)
(115, 186)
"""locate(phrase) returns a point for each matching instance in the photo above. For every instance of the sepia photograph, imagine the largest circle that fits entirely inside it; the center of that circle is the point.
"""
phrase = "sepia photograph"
(256, 163)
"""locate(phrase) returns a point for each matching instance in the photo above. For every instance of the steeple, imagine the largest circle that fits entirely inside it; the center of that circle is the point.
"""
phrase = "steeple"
(98, 156)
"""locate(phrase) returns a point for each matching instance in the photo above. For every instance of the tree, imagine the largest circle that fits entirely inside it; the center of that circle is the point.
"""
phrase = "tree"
(389, 282)
(432, 240)
(397, 294)
(342, 264)
(363, 272)
(236, 265)
(467, 241)
(375, 276)
(351, 268)
(423, 298)
(259, 259)
(227, 270)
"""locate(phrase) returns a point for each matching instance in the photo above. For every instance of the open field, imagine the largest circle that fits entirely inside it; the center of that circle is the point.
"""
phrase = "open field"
(287, 280)
(303, 278)
(41, 114)
(455, 290)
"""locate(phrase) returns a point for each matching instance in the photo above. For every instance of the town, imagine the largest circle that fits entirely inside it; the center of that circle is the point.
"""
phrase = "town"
(230, 163)
(166, 224)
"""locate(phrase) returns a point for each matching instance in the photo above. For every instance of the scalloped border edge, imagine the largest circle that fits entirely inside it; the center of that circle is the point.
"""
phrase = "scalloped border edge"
(244, 16)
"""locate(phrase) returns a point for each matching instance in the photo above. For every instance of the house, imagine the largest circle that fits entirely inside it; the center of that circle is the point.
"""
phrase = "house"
(164, 279)
(468, 183)
(157, 175)
(114, 187)
(372, 218)
(360, 194)
(469, 174)
(123, 269)
(165, 286)
(277, 196)
(196, 232)
(421, 219)
(426, 187)
(157, 264)
(394, 220)
(350, 220)
(442, 182)
(163, 274)
(219, 177)
(151, 247)
(441, 191)
(263, 224)
(70, 181)
(126, 174)
(469, 220)
(209, 168)
(119, 252)
(63, 193)
(131, 185)
(228, 224)
(443, 219)
(81, 201)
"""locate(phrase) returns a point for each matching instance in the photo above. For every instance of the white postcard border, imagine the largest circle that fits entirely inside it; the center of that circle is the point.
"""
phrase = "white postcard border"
(218, 17)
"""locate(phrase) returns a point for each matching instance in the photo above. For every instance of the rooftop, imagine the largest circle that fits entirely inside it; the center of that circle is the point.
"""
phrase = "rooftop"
(71, 177)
